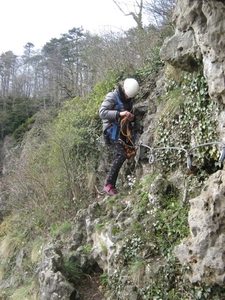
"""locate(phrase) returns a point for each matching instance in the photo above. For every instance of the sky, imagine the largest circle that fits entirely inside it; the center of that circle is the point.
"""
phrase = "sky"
(38, 21)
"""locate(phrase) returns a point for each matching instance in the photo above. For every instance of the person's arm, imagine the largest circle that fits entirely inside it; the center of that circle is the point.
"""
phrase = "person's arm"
(108, 109)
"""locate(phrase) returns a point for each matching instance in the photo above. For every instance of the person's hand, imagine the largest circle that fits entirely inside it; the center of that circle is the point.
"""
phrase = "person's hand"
(127, 114)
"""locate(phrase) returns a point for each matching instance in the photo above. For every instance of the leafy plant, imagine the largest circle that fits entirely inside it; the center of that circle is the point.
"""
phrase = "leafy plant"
(171, 226)
(132, 247)
(86, 249)
(187, 121)
(115, 230)
(104, 279)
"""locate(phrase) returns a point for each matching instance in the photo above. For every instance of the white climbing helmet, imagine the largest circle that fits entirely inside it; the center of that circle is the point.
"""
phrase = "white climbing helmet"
(131, 87)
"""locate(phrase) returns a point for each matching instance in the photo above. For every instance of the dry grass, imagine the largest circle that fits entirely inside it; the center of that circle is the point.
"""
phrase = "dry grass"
(26, 292)
(9, 245)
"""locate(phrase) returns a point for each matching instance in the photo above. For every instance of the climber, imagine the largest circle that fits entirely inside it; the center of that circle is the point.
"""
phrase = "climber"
(117, 107)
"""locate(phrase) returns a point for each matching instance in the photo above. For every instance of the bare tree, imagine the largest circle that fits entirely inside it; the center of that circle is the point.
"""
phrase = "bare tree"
(136, 13)
(160, 11)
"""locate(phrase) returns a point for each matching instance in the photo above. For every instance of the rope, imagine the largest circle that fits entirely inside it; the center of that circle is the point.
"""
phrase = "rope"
(125, 131)
(127, 134)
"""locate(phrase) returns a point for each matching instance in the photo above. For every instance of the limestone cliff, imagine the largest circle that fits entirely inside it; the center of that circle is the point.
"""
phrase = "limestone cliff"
(204, 249)
(199, 39)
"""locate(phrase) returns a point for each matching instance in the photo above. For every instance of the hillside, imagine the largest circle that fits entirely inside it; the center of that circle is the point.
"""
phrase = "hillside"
(162, 236)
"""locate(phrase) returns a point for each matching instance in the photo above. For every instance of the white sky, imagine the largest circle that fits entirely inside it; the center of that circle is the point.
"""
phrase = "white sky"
(38, 21)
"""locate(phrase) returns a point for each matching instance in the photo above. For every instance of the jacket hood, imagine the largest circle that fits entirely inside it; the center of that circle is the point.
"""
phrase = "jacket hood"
(121, 93)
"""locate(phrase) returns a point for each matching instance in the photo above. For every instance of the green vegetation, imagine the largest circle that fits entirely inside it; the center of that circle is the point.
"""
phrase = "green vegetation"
(13, 113)
(58, 173)
(29, 290)
(170, 226)
(99, 226)
(166, 277)
(104, 279)
(86, 249)
(18, 134)
(75, 272)
(153, 64)
(62, 228)
(187, 121)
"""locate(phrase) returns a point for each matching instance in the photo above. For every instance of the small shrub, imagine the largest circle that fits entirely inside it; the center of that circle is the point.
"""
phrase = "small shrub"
(86, 249)
(23, 128)
(75, 272)
(104, 279)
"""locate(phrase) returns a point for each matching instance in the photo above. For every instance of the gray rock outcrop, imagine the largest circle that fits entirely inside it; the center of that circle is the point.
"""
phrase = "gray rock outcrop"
(204, 249)
(199, 38)
(52, 275)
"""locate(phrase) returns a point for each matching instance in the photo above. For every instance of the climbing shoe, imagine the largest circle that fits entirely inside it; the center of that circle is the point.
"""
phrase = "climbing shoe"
(110, 190)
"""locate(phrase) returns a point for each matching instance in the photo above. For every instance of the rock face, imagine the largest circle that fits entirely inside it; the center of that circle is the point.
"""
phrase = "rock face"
(199, 38)
(52, 275)
(204, 249)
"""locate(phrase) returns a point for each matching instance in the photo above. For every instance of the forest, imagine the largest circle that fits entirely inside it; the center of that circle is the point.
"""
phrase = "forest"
(71, 65)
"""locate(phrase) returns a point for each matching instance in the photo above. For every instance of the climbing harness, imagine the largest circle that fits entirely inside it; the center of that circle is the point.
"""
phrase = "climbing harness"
(188, 152)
